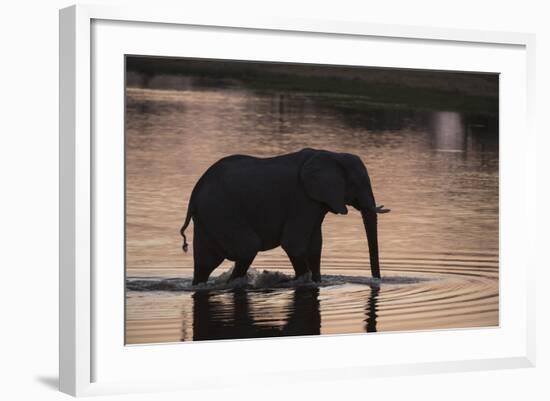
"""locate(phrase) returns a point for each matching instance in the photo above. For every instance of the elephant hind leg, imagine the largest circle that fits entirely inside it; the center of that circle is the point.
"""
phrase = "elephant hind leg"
(204, 267)
(206, 256)
(241, 267)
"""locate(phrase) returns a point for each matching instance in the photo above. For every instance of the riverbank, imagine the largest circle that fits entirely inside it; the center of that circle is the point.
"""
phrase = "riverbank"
(419, 89)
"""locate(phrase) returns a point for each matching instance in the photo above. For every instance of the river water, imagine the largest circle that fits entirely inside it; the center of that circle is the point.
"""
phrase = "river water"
(436, 169)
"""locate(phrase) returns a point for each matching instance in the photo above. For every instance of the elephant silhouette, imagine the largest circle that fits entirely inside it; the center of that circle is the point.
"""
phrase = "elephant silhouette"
(243, 205)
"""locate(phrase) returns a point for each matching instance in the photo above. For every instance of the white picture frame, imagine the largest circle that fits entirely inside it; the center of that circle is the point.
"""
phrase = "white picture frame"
(85, 331)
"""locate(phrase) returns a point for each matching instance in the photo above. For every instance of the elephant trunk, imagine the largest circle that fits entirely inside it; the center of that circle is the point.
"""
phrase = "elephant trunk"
(370, 220)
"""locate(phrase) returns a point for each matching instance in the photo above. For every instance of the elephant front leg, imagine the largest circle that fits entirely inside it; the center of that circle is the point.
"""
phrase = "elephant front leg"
(298, 255)
(301, 240)
(314, 255)
(300, 265)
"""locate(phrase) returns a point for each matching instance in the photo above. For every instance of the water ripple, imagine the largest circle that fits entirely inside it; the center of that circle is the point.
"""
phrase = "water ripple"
(270, 303)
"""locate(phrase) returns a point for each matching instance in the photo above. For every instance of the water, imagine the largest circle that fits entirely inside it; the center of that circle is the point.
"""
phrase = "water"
(436, 169)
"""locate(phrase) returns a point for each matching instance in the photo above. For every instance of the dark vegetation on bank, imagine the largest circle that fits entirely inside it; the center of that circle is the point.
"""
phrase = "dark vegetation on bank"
(419, 89)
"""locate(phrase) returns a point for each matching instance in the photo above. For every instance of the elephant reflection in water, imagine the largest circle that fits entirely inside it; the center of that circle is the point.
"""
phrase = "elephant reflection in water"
(217, 320)
(214, 320)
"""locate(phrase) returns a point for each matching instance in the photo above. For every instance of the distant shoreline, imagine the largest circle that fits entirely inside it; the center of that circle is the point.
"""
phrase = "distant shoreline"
(460, 91)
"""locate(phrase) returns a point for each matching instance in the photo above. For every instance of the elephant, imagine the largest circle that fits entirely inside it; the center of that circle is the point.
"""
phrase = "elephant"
(243, 205)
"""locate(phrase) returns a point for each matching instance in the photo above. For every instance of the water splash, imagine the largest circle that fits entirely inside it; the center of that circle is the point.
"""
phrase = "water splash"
(265, 279)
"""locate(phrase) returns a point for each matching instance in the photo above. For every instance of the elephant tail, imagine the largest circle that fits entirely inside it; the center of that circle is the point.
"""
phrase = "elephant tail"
(182, 230)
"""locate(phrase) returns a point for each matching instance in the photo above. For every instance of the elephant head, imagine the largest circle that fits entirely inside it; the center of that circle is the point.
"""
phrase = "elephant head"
(340, 179)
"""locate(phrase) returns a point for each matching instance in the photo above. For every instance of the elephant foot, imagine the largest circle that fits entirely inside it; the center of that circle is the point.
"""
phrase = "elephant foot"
(303, 278)
(196, 281)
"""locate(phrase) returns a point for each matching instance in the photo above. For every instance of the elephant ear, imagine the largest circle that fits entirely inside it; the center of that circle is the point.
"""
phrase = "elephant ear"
(324, 181)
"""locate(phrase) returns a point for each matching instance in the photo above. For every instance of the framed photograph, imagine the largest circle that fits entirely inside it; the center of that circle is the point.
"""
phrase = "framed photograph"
(340, 198)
